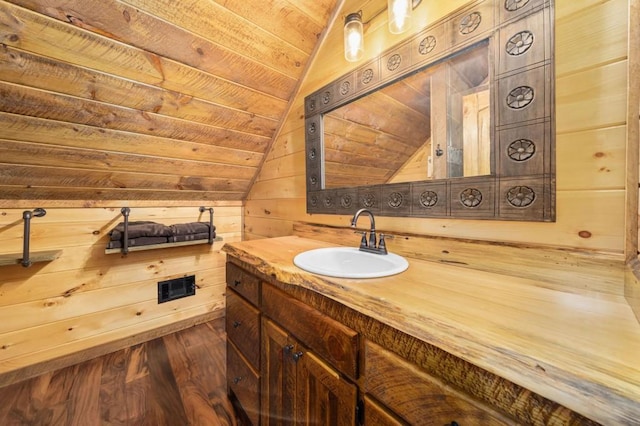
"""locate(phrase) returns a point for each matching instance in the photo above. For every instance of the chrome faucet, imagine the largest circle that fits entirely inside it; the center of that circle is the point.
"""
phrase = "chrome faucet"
(369, 245)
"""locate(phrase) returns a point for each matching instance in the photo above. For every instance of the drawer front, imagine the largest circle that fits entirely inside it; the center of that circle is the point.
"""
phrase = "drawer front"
(244, 283)
(243, 327)
(244, 383)
(333, 341)
(375, 415)
(415, 395)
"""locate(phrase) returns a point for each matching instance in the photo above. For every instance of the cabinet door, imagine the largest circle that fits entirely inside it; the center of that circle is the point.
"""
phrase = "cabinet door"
(333, 341)
(323, 397)
(298, 387)
(278, 376)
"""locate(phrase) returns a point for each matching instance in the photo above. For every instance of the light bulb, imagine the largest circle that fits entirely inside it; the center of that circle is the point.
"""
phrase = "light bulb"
(399, 15)
(353, 37)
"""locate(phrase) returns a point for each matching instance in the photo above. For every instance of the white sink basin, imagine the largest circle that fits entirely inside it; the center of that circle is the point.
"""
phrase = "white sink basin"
(349, 262)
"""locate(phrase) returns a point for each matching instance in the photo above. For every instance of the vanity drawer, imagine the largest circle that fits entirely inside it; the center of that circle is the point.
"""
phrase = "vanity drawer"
(243, 327)
(333, 341)
(376, 415)
(244, 383)
(415, 395)
(244, 283)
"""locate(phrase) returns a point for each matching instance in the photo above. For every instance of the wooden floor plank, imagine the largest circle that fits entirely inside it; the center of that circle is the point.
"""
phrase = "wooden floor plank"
(84, 397)
(112, 388)
(212, 371)
(178, 379)
(185, 360)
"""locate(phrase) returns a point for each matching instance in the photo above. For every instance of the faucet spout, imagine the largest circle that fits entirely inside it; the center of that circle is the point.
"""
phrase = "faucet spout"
(371, 245)
(356, 216)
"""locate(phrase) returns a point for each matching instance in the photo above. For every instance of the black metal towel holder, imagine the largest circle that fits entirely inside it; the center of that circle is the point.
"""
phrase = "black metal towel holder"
(125, 239)
(26, 216)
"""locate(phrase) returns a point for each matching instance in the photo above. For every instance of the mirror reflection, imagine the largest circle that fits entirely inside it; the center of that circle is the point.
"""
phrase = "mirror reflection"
(435, 123)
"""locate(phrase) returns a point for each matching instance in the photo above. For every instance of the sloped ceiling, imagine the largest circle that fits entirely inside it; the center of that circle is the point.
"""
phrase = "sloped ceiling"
(146, 99)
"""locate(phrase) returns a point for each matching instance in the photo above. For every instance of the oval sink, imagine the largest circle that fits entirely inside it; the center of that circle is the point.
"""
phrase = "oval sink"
(349, 262)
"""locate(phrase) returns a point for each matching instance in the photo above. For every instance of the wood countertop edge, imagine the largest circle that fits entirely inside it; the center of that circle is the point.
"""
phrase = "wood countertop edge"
(593, 399)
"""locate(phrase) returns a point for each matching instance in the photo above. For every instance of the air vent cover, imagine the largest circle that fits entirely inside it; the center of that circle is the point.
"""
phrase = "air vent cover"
(176, 288)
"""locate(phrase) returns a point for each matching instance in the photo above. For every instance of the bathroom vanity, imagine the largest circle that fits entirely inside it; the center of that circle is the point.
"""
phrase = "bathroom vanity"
(437, 344)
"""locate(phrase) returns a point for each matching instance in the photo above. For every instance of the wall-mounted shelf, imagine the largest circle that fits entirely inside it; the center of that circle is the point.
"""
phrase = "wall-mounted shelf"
(34, 257)
(161, 246)
(26, 258)
(141, 236)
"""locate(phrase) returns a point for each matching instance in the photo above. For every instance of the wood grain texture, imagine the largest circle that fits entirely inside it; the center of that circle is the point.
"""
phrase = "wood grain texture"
(86, 299)
(500, 327)
(581, 272)
(632, 216)
(175, 379)
(325, 397)
(590, 58)
(243, 383)
(328, 338)
(420, 397)
(204, 82)
(632, 286)
(243, 327)
(375, 414)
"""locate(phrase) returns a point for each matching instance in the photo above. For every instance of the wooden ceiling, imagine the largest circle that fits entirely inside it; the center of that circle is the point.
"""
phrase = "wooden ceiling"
(146, 99)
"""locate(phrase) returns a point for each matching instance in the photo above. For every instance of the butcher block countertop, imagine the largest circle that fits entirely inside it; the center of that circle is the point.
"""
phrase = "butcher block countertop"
(580, 350)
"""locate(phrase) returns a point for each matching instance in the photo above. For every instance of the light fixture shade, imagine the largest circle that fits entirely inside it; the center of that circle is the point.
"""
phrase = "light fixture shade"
(353, 37)
(399, 15)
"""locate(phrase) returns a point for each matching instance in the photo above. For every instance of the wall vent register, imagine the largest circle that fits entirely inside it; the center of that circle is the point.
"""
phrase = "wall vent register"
(176, 288)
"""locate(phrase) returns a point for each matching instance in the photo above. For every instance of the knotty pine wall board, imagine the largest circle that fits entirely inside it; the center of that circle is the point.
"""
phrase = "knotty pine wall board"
(591, 66)
(86, 299)
(180, 99)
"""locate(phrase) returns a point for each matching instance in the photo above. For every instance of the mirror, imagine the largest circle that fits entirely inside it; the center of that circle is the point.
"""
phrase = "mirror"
(386, 136)
(455, 122)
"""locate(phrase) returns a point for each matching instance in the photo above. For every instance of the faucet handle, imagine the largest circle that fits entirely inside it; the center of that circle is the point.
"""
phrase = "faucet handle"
(363, 240)
(381, 244)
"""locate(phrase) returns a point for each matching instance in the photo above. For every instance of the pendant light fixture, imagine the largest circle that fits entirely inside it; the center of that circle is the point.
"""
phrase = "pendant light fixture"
(353, 37)
(399, 15)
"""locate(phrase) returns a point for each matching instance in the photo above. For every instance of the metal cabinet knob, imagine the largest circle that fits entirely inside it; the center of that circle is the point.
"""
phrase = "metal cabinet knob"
(237, 283)
(237, 380)
(296, 357)
(237, 324)
(287, 349)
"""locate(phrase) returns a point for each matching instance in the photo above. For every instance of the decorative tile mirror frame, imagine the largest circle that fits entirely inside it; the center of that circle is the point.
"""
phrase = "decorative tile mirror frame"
(522, 129)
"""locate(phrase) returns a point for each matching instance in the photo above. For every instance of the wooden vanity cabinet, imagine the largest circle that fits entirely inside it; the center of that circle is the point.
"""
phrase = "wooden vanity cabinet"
(379, 415)
(298, 357)
(307, 360)
(299, 387)
(243, 342)
(416, 396)
(287, 363)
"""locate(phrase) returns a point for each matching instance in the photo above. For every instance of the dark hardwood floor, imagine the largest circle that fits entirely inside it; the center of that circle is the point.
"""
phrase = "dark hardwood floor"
(175, 380)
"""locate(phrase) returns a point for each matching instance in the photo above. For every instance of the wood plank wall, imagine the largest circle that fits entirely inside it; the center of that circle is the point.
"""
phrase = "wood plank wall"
(85, 298)
(165, 105)
(632, 278)
(146, 99)
(591, 84)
